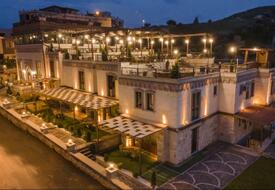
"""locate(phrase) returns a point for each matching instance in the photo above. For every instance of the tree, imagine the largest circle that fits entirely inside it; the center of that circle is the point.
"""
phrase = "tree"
(171, 23)
(209, 21)
(104, 54)
(153, 180)
(147, 25)
(196, 20)
(9, 91)
(175, 72)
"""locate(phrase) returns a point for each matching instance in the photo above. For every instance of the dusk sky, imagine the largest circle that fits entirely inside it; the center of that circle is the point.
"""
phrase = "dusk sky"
(134, 11)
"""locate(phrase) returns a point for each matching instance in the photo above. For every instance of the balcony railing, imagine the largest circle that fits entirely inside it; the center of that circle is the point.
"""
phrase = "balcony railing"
(163, 73)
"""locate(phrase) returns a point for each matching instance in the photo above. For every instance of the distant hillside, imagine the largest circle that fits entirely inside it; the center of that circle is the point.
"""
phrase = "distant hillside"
(254, 27)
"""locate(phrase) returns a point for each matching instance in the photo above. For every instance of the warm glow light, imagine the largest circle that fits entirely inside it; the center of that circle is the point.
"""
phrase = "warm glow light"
(129, 38)
(172, 41)
(176, 52)
(127, 111)
(161, 39)
(24, 71)
(255, 49)
(164, 120)
(204, 40)
(102, 92)
(256, 102)
(108, 39)
(59, 35)
(211, 40)
(152, 42)
(232, 49)
(99, 118)
(86, 36)
(97, 13)
(46, 35)
(187, 41)
(128, 141)
(242, 106)
(140, 41)
(117, 38)
(166, 42)
(93, 40)
(70, 141)
(204, 50)
(76, 108)
(121, 42)
(77, 42)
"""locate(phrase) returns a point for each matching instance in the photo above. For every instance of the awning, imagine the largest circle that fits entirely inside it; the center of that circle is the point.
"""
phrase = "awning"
(79, 98)
(258, 114)
(131, 127)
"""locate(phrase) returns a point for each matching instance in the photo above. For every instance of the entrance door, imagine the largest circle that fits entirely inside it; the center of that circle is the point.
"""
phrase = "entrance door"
(194, 145)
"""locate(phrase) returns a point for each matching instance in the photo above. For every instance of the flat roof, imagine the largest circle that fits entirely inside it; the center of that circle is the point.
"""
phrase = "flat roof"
(82, 99)
(259, 114)
(132, 127)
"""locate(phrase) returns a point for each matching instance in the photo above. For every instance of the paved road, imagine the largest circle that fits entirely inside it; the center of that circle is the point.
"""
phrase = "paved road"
(26, 163)
(215, 172)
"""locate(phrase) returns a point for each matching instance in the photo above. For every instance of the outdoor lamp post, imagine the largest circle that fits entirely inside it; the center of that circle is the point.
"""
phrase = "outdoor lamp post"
(167, 46)
(172, 43)
(152, 46)
(211, 41)
(140, 43)
(204, 41)
(92, 47)
(117, 41)
(108, 40)
(233, 52)
(187, 41)
(176, 52)
(161, 41)
(59, 37)
(87, 37)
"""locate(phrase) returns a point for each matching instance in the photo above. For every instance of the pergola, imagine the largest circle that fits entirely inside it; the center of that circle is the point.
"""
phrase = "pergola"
(84, 100)
(134, 128)
(261, 118)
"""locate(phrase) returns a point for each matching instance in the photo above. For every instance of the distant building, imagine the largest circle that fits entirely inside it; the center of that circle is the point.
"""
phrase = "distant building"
(7, 50)
(56, 17)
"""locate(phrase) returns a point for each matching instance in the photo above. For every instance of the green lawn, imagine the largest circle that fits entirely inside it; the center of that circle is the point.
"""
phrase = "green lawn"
(260, 175)
(130, 162)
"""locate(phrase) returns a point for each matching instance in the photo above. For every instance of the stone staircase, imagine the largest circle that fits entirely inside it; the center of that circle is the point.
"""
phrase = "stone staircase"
(88, 152)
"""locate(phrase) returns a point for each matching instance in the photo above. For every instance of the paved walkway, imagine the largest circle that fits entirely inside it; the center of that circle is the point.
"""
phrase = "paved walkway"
(214, 172)
(270, 151)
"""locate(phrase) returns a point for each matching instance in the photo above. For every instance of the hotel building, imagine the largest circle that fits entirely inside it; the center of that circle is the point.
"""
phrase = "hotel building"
(173, 103)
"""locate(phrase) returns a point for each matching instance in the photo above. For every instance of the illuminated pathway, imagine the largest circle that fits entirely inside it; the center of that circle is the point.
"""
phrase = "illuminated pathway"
(26, 163)
(215, 172)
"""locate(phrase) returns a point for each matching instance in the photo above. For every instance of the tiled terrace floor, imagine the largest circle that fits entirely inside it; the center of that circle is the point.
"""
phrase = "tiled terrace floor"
(214, 172)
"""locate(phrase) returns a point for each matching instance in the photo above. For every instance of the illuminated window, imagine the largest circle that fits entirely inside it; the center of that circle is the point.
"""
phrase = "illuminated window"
(195, 108)
(150, 99)
(139, 99)
(215, 90)
(81, 80)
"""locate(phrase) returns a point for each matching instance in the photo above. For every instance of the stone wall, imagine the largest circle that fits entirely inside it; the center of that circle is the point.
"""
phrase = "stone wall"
(86, 165)
(180, 141)
(109, 143)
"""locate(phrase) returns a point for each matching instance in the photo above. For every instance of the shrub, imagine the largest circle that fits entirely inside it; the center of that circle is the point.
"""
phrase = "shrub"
(88, 136)
(135, 174)
(175, 72)
(106, 157)
(153, 179)
(9, 91)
